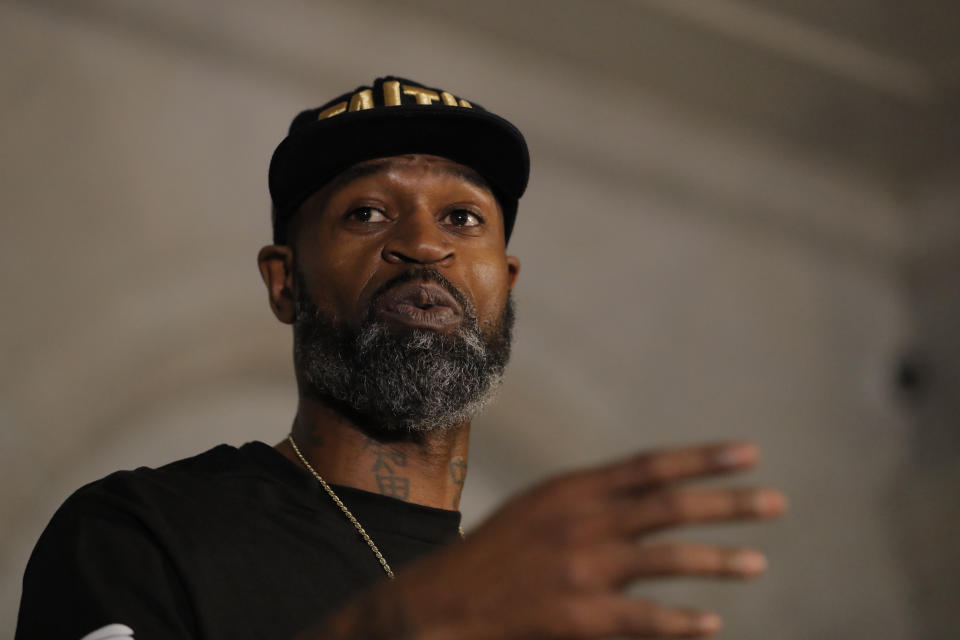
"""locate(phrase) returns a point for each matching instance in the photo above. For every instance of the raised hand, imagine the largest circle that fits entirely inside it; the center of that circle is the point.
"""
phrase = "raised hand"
(555, 561)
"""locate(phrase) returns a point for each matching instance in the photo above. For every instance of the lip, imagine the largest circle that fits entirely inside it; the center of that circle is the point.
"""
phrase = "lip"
(419, 305)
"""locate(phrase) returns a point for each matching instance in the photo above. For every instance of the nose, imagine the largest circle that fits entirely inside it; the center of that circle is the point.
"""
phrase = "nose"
(416, 239)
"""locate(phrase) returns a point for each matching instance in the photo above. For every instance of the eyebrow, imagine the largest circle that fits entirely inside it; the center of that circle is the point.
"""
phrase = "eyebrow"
(373, 167)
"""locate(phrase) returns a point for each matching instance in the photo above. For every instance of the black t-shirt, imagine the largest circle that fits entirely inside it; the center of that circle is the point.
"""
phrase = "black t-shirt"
(230, 544)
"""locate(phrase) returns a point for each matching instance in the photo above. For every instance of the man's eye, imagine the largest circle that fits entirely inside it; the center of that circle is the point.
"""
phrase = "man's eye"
(367, 214)
(464, 218)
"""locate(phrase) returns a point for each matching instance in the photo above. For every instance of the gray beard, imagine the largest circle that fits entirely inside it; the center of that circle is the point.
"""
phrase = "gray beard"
(391, 380)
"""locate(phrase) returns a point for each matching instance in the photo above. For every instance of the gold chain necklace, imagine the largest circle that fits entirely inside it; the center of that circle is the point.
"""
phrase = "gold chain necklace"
(336, 500)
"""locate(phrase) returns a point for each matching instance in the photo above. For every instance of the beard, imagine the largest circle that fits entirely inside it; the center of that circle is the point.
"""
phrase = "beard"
(390, 380)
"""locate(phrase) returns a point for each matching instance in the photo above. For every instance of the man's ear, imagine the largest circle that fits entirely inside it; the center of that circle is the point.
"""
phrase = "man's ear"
(513, 270)
(276, 269)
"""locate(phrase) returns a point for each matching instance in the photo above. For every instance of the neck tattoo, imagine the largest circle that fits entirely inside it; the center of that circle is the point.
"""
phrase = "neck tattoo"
(336, 500)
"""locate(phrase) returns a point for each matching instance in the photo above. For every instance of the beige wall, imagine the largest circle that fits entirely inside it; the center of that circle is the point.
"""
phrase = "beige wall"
(685, 277)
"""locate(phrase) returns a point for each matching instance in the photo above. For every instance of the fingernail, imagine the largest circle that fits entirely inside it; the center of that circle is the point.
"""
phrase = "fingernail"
(709, 622)
(769, 503)
(748, 563)
(736, 455)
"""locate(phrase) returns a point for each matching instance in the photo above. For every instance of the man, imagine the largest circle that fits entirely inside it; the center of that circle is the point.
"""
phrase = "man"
(393, 205)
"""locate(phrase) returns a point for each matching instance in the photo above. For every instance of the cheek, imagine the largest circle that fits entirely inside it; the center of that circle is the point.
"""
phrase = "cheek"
(490, 284)
(339, 274)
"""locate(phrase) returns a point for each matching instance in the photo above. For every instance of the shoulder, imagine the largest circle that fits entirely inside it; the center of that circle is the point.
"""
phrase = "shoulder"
(182, 505)
(191, 471)
(119, 538)
(183, 486)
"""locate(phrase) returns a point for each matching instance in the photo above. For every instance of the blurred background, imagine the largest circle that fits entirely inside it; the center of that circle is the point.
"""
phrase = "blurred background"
(743, 221)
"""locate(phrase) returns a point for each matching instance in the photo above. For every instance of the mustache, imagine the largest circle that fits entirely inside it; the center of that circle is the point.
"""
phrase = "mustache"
(423, 274)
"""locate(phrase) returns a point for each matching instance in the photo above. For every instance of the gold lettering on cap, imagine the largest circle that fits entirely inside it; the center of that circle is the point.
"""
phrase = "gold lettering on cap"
(423, 96)
(391, 93)
(464, 103)
(448, 99)
(361, 100)
(340, 107)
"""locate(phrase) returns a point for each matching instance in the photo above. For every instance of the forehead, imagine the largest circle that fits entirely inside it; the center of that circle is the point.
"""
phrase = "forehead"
(412, 163)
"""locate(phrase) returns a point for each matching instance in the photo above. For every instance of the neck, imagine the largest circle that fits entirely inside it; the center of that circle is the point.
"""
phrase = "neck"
(423, 468)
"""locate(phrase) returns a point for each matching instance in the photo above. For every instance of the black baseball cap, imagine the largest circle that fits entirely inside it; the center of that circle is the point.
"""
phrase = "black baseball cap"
(395, 116)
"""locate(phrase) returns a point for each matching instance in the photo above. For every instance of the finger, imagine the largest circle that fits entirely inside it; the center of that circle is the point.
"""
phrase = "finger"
(605, 616)
(668, 508)
(688, 559)
(617, 564)
(643, 619)
(656, 468)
